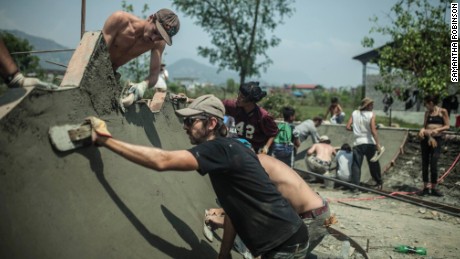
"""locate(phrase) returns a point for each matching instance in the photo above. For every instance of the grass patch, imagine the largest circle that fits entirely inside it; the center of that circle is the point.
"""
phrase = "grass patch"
(386, 121)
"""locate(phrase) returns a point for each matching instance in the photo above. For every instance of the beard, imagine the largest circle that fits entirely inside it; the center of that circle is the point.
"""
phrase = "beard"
(197, 137)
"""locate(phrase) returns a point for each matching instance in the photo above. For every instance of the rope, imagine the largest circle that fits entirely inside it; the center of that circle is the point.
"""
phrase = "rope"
(450, 169)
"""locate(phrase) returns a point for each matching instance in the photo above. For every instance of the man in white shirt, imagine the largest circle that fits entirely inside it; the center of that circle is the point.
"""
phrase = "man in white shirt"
(161, 85)
(344, 160)
(366, 142)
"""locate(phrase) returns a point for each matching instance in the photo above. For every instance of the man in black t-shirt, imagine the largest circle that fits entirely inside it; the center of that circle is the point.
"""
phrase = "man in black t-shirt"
(264, 220)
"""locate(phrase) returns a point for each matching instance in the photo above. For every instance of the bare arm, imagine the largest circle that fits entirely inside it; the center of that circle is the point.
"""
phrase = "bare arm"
(311, 150)
(297, 142)
(151, 157)
(155, 63)
(228, 239)
(350, 121)
(374, 131)
(7, 65)
(268, 144)
(339, 108)
(421, 133)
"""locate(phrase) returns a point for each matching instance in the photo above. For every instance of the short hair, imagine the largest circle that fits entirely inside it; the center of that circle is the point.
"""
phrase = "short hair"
(431, 98)
(318, 119)
(288, 111)
(252, 91)
(346, 147)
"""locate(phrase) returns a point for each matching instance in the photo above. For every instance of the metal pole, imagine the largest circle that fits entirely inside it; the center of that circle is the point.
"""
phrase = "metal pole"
(55, 63)
(376, 192)
(390, 116)
(40, 51)
(364, 80)
(83, 14)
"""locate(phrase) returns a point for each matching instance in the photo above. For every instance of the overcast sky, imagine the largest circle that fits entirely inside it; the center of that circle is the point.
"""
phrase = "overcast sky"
(318, 41)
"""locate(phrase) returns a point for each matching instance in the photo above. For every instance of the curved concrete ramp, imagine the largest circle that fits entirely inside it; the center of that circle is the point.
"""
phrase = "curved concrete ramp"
(391, 138)
(91, 203)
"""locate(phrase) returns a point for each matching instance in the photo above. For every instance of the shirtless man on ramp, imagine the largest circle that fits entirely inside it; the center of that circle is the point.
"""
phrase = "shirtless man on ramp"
(127, 37)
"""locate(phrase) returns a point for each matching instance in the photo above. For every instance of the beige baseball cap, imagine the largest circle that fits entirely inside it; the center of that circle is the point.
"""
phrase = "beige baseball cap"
(324, 138)
(365, 102)
(208, 104)
(167, 24)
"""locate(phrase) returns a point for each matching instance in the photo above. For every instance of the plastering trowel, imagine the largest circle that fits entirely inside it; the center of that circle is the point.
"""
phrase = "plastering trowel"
(378, 154)
(68, 137)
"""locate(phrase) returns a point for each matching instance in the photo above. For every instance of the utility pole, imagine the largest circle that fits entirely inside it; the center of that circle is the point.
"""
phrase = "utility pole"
(83, 14)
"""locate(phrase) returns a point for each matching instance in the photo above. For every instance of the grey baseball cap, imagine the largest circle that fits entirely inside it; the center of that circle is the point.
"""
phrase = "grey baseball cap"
(208, 104)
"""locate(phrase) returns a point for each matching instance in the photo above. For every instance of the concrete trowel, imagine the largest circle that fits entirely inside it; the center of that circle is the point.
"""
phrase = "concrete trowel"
(378, 154)
(69, 137)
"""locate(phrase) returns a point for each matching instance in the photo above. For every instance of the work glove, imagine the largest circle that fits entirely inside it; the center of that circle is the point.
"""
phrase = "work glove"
(263, 150)
(135, 93)
(138, 89)
(432, 142)
(20, 80)
(98, 126)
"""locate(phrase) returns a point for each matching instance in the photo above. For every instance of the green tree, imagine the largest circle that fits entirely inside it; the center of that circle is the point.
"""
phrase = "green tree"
(419, 50)
(25, 62)
(274, 103)
(239, 31)
(231, 87)
(137, 69)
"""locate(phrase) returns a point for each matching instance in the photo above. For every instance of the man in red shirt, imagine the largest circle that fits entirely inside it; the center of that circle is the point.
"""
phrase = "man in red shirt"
(252, 122)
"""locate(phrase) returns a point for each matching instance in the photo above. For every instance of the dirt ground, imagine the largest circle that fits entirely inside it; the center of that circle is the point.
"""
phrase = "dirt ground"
(381, 222)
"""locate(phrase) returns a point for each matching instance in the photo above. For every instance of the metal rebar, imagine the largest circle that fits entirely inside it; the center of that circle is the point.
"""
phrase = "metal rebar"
(399, 198)
(40, 51)
(55, 63)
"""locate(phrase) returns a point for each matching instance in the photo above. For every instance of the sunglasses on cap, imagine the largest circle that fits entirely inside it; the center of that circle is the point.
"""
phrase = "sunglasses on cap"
(189, 121)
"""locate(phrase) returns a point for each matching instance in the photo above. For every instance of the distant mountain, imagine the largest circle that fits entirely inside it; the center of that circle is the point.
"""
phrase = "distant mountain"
(182, 68)
(189, 68)
(39, 43)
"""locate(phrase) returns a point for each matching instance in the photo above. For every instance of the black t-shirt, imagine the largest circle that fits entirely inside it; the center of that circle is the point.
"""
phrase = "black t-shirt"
(261, 216)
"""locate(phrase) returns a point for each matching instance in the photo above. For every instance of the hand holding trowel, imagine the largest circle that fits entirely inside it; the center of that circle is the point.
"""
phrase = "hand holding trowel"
(378, 153)
(68, 137)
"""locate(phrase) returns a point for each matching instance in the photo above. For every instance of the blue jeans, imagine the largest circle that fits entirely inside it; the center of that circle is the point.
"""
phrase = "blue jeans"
(359, 152)
(284, 153)
(338, 118)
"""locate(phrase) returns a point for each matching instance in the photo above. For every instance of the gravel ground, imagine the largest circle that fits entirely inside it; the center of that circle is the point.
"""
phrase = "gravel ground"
(385, 222)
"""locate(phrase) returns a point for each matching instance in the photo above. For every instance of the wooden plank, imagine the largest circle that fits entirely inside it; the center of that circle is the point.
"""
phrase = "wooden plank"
(157, 101)
(80, 59)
